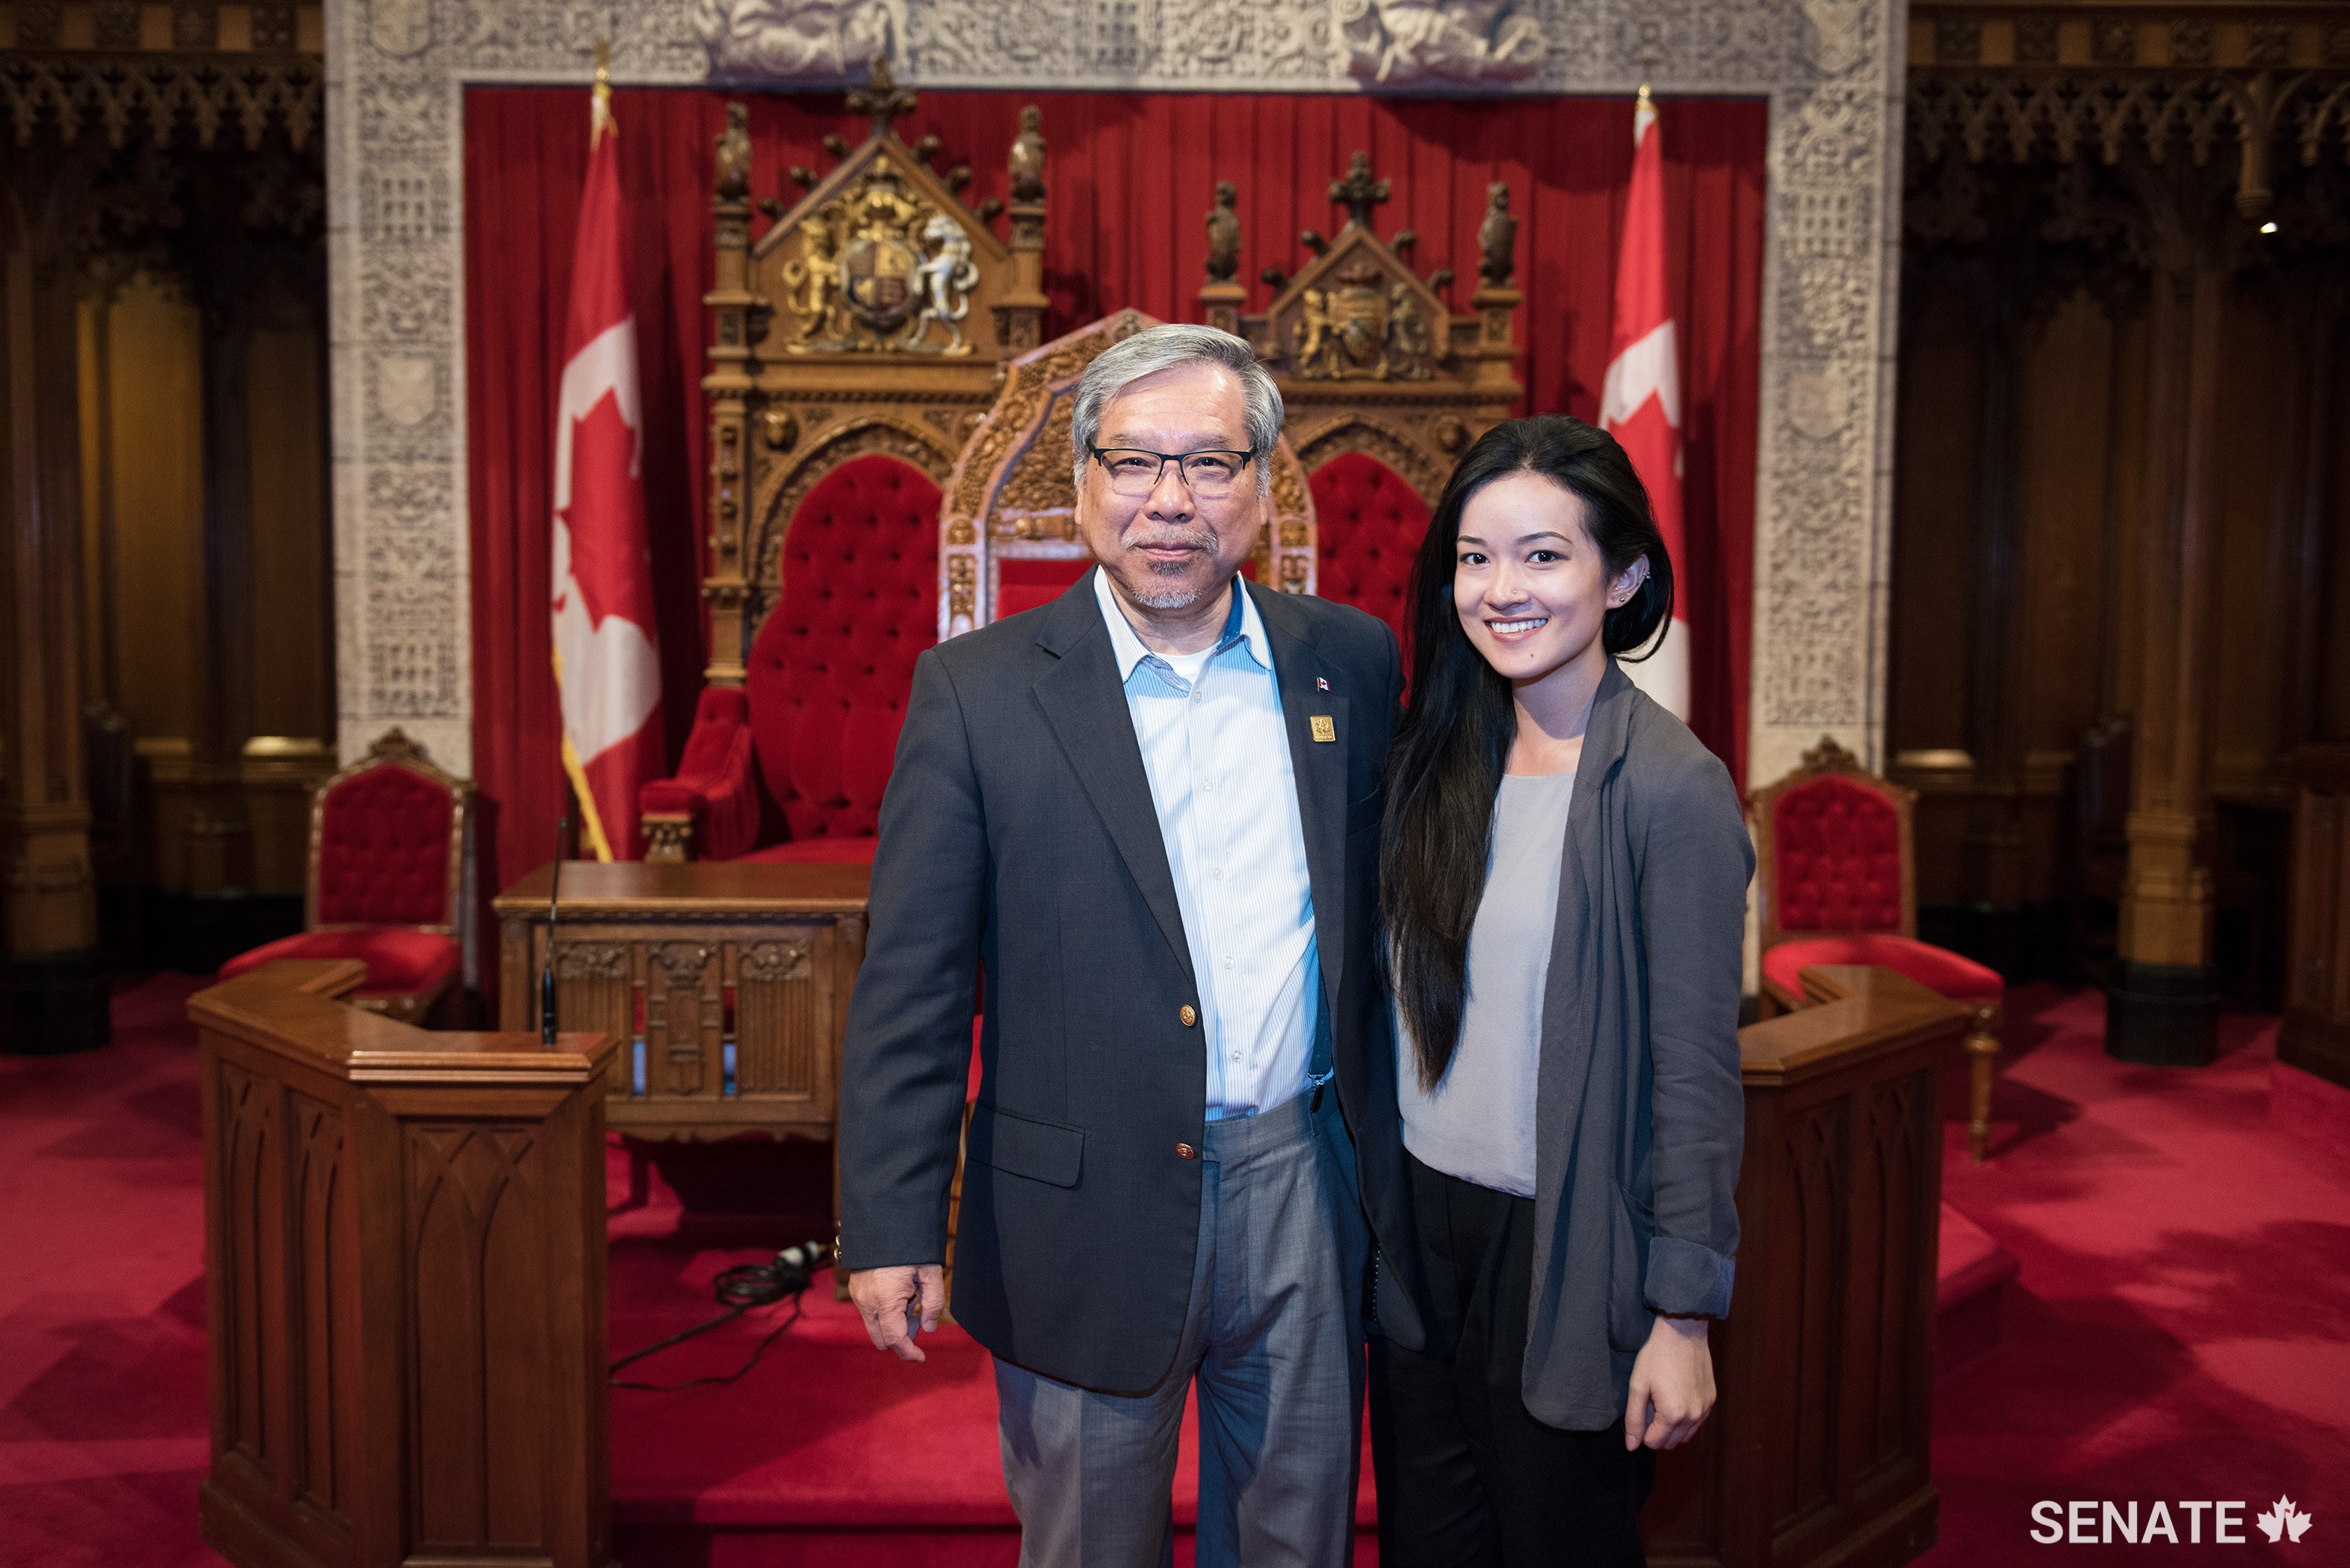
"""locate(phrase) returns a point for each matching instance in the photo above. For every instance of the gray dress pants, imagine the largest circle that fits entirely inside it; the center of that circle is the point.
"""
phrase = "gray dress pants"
(1273, 1336)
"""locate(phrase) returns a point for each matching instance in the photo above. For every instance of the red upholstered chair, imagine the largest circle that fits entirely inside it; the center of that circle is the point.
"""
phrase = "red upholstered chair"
(390, 841)
(791, 765)
(1833, 881)
(1371, 525)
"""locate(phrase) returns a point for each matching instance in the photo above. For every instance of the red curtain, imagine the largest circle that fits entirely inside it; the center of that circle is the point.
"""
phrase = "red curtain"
(1130, 177)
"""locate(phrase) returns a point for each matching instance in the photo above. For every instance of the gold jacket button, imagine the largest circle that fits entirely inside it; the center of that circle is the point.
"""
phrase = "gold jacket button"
(1185, 1151)
(1190, 1015)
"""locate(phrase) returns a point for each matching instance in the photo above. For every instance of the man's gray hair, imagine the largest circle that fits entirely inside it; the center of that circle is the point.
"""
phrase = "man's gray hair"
(1158, 348)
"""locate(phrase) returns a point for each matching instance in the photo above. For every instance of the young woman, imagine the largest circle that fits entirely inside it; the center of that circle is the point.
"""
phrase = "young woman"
(1563, 886)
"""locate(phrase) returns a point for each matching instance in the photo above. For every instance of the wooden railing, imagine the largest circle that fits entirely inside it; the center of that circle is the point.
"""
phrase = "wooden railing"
(404, 1241)
(1817, 1451)
(404, 1233)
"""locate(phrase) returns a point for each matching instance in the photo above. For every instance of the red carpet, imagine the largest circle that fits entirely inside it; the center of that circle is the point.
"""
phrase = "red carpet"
(825, 1445)
(102, 1425)
(2180, 1329)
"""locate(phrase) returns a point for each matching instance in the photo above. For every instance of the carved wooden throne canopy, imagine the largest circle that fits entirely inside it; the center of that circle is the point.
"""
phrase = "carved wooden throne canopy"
(1368, 356)
(872, 317)
(1011, 502)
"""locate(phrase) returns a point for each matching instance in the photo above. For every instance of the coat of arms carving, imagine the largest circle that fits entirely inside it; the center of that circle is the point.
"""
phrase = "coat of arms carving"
(880, 269)
(1368, 327)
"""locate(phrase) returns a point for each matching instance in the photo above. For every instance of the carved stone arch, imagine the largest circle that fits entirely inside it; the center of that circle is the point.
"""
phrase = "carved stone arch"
(787, 483)
(1412, 461)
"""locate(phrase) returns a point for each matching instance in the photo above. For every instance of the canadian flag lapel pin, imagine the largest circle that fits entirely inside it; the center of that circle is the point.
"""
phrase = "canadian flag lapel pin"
(1321, 684)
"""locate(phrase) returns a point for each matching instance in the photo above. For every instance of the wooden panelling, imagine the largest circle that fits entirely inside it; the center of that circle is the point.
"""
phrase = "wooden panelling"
(783, 992)
(730, 979)
(319, 1477)
(153, 605)
(2037, 533)
(1934, 490)
(404, 1240)
(294, 689)
(476, 1234)
(2253, 560)
(209, 605)
(1819, 1449)
(2330, 569)
(2316, 1034)
(2065, 473)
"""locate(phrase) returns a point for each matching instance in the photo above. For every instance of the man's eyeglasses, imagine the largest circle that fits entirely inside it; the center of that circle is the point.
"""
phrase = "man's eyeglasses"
(1134, 471)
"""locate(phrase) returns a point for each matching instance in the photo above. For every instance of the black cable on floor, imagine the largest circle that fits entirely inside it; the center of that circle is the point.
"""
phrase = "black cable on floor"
(739, 1289)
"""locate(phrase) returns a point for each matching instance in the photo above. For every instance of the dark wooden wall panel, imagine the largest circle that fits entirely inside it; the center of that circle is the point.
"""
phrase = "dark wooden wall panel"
(1934, 497)
(404, 1236)
(2316, 1034)
(2259, 532)
(2024, 449)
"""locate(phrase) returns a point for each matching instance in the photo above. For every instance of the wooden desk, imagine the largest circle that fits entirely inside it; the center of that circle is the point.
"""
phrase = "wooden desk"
(727, 983)
(1817, 1453)
(405, 1259)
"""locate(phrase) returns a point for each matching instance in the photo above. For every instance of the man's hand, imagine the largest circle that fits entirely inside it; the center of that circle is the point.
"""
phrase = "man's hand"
(895, 1301)
(1672, 1385)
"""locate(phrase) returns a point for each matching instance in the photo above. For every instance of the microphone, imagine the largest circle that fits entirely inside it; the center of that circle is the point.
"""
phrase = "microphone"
(546, 975)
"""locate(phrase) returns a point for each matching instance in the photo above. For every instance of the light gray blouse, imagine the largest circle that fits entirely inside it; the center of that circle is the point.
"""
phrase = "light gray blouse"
(1477, 1124)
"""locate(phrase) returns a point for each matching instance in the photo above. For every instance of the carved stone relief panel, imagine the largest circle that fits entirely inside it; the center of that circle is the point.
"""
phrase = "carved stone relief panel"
(1831, 69)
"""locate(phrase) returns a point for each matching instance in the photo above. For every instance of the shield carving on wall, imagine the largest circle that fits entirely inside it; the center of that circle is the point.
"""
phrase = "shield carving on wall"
(879, 270)
(1358, 316)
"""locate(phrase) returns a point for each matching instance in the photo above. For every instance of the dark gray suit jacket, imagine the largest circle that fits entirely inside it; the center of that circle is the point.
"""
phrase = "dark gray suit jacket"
(1019, 840)
(1640, 1113)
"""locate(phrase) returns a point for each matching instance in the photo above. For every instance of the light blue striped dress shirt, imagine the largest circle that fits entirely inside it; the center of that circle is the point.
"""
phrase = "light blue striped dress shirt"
(1217, 753)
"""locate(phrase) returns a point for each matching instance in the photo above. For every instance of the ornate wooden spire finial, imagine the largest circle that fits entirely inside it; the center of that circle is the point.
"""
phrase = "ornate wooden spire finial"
(881, 96)
(1358, 191)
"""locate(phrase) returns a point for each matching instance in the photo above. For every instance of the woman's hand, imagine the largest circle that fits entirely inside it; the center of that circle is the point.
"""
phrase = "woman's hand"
(1672, 1385)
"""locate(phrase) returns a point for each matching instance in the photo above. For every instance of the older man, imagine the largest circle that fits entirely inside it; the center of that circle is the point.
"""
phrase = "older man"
(1147, 814)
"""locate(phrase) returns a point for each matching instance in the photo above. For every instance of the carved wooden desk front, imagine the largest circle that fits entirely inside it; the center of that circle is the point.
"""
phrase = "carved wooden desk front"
(728, 985)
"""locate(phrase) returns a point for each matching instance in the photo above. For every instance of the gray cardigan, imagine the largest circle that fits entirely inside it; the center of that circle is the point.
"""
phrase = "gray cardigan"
(1639, 1115)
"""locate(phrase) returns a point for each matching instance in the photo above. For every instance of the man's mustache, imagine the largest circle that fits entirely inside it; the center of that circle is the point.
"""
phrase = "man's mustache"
(1167, 538)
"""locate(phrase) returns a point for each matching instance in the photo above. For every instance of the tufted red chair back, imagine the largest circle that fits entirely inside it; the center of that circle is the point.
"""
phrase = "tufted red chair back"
(1838, 847)
(384, 852)
(830, 670)
(1371, 524)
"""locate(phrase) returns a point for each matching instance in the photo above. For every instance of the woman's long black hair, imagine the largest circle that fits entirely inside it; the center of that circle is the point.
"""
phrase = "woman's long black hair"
(1445, 767)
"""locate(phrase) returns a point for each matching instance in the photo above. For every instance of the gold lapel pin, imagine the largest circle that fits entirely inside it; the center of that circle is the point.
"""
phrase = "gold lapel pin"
(1324, 728)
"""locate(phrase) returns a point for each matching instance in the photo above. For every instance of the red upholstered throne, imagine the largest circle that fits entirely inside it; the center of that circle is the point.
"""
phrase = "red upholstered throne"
(389, 862)
(1372, 522)
(791, 764)
(835, 414)
(1834, 885)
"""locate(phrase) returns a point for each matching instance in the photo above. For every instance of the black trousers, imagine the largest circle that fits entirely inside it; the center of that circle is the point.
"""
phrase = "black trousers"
(1466, 1475)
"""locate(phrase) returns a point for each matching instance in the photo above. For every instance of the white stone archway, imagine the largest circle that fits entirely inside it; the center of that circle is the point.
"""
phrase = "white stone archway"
(1832, 71)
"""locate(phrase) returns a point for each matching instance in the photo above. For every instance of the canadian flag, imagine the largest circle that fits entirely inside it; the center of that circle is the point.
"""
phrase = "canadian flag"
(606, 666)
(1640, 403)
